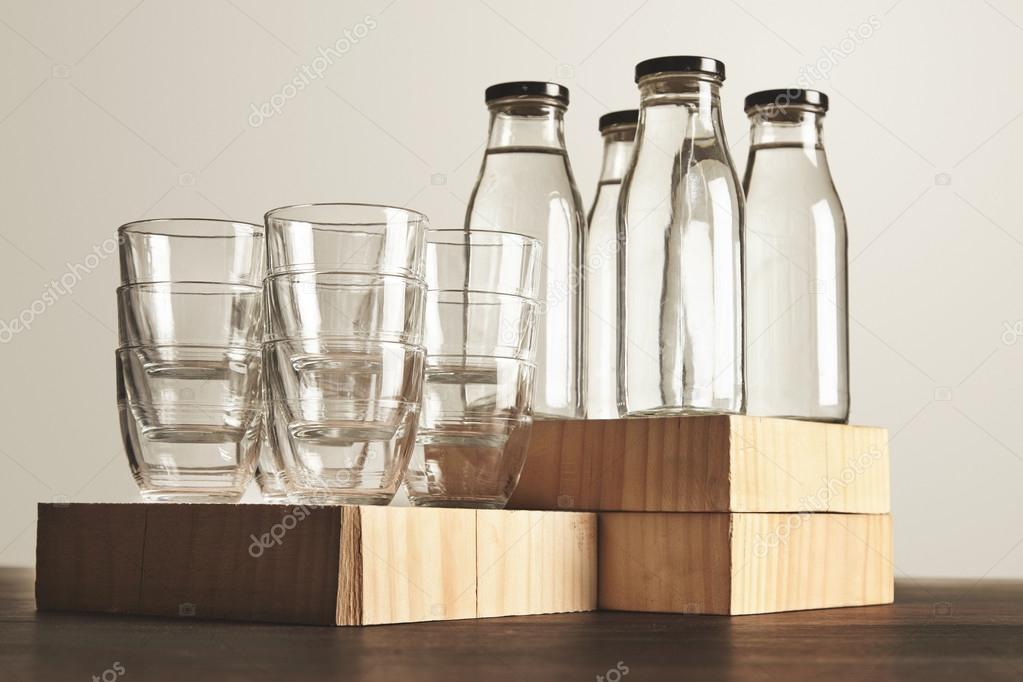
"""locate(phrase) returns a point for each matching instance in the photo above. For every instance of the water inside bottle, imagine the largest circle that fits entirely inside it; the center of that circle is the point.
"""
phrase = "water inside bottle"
(529, 190)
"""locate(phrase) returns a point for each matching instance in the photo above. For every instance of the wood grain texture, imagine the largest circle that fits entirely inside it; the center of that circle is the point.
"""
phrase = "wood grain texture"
(299, 564)
(418, 564)
(704, 464)
(791, 562)
(73, 550)
(535, 562)
(729, 563)
(349, 591)
(676, 563)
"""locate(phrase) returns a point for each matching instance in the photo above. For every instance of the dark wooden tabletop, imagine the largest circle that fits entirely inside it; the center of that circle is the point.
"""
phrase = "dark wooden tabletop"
(937, 630)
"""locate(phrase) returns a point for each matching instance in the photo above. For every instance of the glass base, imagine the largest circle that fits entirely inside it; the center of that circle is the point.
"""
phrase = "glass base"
(190, 496)
(336, 499)
(275, 498)
(804, 418)
(681, 411)
(458, 502)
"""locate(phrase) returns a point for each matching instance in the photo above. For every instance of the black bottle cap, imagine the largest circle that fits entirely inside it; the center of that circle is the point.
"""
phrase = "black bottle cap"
(617, 118)
(527, 89)
(680, 65)
(786, 97)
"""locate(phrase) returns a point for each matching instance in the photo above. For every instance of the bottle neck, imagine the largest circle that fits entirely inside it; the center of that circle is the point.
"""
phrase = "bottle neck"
(674, 104)
(526, 122)
(618, 143)
(786, 127)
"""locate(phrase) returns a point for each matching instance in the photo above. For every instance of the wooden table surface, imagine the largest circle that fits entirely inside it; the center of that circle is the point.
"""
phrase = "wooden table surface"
(937, 630)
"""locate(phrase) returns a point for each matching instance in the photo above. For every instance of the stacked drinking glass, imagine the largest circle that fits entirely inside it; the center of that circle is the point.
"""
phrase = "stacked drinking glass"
(188, 363)
(481, 311)
(342, 354)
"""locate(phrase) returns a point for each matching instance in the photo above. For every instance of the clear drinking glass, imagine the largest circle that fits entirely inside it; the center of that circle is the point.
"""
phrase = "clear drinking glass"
(343, 356)
(191, 250)
(342, 416)
(526, 184)
(350, 305)
(619, 131)
(193, 313)
(680, 265)
(345, 238)
(478, 388)
(797, 354)
(188, 367)
(190, 420)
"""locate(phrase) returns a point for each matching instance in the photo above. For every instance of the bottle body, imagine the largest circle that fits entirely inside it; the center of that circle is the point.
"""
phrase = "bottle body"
(601, 281)
(680, 222)
(526, 186)
(796, 283)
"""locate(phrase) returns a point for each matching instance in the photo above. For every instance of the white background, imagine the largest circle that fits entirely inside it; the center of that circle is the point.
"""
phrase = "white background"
(112, 111)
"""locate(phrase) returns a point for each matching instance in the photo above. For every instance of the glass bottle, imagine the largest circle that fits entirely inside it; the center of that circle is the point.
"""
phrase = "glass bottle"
(618, 130)
(526, 186)
(797, 355)
(680, 264)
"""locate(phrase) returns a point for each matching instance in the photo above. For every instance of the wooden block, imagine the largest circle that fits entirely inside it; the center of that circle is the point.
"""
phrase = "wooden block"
(531, 562)
(415, 566)
(733, 564)
(705, 464)
(313, 565)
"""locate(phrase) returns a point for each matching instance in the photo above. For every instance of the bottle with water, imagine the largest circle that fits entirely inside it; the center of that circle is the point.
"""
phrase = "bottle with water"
(618, 129)
(526, 186)
(797, 355)
(680, 263)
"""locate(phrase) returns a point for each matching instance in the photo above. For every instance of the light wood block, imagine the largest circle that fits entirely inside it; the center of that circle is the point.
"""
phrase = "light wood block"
(705, 464)
(314, 565)
(733, 564)
(535, 562)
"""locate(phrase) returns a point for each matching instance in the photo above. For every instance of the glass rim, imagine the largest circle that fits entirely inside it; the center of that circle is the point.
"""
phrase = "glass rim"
(273, 277)
(126, 286)
(482, 356)
(256, 404)
(532, 300)
(362, 340)
(501, 234)
(143, 228)
(125, 347)
(276, 213)
(316, 400)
